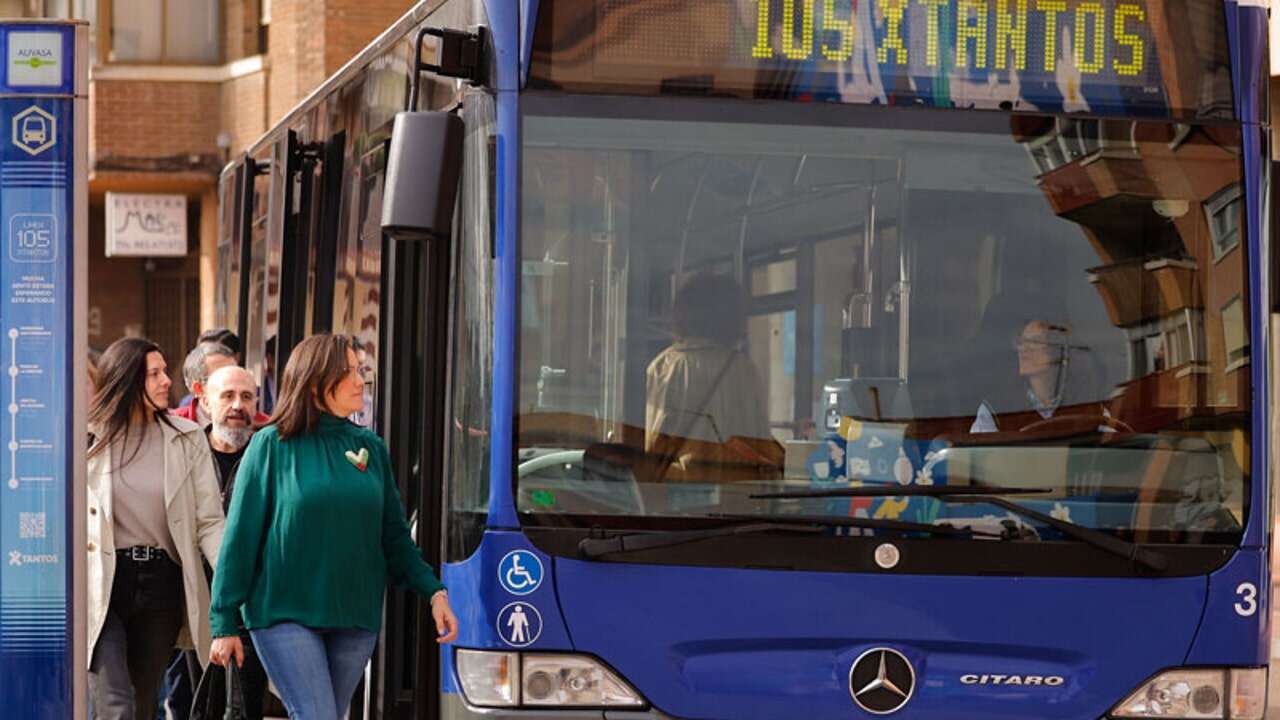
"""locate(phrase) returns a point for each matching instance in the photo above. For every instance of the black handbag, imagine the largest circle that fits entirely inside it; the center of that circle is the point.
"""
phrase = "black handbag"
(219, 695)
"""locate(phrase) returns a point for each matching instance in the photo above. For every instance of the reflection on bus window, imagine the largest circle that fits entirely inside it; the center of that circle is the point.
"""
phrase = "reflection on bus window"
(711, 309)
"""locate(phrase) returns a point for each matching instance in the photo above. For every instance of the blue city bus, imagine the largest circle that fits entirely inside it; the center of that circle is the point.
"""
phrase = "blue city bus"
(797, 358)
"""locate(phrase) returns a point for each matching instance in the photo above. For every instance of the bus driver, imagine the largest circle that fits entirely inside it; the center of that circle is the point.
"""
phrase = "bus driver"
(1052, 385)
(704, 410)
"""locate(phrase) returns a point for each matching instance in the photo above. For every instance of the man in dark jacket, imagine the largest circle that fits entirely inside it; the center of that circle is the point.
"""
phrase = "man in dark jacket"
(230, 401)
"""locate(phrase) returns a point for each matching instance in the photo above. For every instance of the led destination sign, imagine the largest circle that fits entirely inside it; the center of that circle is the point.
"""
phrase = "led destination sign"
(1095, 37)
(1134, 57)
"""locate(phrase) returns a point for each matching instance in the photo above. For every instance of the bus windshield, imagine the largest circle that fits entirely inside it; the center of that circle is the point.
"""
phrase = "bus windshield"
(722, 299)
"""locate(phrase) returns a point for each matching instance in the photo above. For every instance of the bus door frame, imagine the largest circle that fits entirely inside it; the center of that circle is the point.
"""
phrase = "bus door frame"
(299, 254)
(250, 169)
(415, 341)
(326, 246)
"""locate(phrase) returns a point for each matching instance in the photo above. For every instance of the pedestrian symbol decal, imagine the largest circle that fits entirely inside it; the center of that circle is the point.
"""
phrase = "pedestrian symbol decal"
(520, 572)
(34, 130)
(519, 624)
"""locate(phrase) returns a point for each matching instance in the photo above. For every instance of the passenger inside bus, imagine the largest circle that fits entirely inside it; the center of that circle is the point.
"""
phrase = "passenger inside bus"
(704, 408)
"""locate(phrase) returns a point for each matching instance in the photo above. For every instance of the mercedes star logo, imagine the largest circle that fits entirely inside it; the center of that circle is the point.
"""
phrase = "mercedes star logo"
(881, 681)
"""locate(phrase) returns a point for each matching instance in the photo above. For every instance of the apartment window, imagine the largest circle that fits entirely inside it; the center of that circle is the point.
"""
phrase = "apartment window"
(1235, 334)
(46, 8)
(1072, 139)
(182, 32)
(1223, 211)
(1167, 343)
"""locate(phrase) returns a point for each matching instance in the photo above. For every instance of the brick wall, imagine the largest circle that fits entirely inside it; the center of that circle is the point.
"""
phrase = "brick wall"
(138, 119)
(282, 57)
(161, 136)
(312, 39)
(244, 111)
(353, 24)
(240, 29)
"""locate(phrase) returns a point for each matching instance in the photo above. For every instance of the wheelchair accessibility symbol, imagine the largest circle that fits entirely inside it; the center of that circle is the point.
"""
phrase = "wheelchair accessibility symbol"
(520, 572)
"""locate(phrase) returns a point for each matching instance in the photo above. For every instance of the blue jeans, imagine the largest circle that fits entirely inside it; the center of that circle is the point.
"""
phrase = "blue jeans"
(315, 670)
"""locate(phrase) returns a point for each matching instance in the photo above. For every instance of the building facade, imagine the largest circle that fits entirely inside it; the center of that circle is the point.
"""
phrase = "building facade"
(177, 88)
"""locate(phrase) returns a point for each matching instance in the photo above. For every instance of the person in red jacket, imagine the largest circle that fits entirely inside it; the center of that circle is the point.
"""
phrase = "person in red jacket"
(204, 359)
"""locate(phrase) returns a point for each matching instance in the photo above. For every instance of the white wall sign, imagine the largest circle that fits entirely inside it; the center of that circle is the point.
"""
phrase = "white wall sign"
(35, 59)
(140, 225)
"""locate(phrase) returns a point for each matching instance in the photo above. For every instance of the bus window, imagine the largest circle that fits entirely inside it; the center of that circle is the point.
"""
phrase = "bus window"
(471, 392)
(357, 268)
(226, 297)
(791, 304)
(265, 193)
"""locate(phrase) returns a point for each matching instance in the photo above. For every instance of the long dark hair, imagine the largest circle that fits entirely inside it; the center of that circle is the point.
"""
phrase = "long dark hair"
(315, 368)
(122, 392)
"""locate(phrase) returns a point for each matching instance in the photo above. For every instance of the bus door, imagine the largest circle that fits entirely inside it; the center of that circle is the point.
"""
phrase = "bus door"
(260, 258)
(313, 201)
(414, 339)
(325, 233)
(297, 253)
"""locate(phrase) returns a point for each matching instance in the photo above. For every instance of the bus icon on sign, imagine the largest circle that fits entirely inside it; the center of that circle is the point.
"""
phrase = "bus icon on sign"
(34, 130)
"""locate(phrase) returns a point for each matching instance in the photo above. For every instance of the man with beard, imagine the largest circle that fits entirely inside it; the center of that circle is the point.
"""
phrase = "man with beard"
(230, 401)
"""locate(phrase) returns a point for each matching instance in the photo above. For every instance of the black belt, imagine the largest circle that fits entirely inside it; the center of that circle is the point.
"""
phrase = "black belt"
(142, 553)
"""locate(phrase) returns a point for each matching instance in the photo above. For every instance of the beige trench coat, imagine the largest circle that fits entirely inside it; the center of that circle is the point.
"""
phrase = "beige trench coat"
(195, 522)
(705, 409)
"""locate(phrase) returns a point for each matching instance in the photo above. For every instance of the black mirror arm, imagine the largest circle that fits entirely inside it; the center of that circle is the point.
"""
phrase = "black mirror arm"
(461, 55)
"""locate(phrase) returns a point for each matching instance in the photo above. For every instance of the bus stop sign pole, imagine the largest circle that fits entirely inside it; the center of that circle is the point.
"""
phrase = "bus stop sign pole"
(43, 346)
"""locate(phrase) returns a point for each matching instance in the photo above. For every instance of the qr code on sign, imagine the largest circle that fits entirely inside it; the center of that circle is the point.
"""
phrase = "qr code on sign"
(30, 526)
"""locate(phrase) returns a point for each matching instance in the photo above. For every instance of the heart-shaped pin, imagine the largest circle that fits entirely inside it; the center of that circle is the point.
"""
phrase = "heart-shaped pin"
(361, 460)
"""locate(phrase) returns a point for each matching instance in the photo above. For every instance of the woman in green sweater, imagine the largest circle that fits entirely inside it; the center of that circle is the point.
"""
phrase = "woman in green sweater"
(314, 532)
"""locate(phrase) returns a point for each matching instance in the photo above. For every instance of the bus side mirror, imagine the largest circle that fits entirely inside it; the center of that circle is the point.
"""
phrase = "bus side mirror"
(423, 170)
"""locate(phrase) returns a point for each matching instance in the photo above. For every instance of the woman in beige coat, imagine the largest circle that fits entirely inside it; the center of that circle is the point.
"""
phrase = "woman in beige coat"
(154, 509)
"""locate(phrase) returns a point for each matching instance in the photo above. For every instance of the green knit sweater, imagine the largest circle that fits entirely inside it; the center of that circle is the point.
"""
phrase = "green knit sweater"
(310, 537)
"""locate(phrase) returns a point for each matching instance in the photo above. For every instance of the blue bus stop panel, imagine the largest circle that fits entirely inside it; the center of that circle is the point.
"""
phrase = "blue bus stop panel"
(37, 183)
(35, 341)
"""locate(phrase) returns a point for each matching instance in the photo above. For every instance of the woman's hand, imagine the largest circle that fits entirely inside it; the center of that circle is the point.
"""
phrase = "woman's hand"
(225, 648)
(446, 623)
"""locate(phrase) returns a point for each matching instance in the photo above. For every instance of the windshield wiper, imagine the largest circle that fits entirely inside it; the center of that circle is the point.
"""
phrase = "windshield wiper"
(988, 494)
(934, 491)
(1097, 538)
(751, 525)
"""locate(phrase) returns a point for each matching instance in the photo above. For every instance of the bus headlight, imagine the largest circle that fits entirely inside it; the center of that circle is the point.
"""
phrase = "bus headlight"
(489, 679)
(508, 679)
(1192, 694)
(573, 680)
